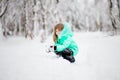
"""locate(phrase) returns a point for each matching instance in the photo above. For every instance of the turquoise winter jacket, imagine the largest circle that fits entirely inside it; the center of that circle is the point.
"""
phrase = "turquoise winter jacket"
(65, 40)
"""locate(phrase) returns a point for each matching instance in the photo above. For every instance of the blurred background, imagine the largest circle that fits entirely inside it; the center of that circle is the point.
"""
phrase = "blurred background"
(31, 18)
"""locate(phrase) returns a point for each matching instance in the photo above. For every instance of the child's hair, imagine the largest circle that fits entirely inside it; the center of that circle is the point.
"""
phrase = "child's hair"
(60, 28)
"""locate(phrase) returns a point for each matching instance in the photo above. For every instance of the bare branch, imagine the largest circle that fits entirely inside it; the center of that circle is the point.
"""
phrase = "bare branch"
(4, 9)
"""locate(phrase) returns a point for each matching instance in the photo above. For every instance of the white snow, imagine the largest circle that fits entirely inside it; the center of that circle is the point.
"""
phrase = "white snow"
(24, 59)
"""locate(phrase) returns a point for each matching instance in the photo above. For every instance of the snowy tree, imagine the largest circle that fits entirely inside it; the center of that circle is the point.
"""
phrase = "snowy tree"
(3, 8)
(29, 14)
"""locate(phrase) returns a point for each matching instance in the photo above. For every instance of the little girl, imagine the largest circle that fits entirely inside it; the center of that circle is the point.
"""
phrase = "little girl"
(64, 46)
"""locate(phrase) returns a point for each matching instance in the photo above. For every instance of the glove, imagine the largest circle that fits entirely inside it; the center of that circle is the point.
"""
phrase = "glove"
(51, 49)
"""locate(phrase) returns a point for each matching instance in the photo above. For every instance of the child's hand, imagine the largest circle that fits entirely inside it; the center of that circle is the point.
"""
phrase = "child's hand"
(50, 49)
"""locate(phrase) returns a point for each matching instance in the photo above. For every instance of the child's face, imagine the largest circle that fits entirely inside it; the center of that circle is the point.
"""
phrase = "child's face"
(57, 32)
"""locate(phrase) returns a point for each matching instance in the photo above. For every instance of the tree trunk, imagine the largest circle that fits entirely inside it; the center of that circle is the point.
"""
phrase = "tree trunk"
(3, 10)
(111, 15)
(29, 18)
(1, 32)
(118, 4)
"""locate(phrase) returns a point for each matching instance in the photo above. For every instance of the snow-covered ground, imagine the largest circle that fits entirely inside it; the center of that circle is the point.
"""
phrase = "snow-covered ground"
(24, 59)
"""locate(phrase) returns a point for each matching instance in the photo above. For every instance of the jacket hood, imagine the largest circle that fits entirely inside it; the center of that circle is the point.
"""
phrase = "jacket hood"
(66, 31)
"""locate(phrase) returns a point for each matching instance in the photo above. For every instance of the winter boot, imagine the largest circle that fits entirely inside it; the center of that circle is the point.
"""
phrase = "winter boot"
(68, 55)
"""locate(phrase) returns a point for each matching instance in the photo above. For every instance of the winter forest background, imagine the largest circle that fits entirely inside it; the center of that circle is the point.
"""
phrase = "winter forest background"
(31, 18)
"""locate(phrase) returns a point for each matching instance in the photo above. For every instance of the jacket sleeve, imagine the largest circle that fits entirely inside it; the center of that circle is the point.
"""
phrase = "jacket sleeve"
(66, 43)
